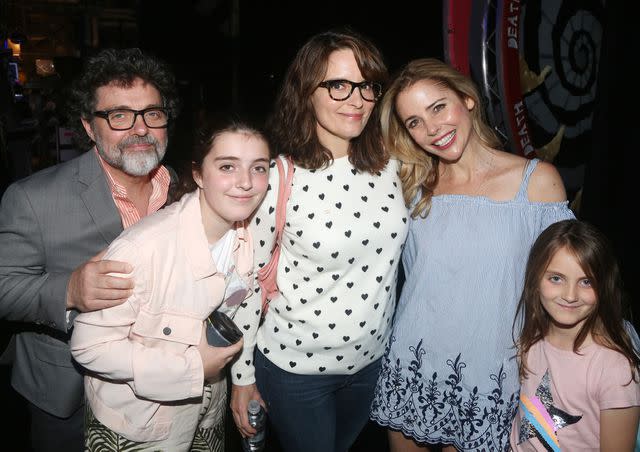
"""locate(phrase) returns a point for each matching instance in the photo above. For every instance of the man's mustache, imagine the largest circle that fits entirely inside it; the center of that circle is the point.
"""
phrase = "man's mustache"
(134, 139)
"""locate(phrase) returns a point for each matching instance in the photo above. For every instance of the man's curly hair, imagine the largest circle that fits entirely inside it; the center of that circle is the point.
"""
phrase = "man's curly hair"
(120, 67)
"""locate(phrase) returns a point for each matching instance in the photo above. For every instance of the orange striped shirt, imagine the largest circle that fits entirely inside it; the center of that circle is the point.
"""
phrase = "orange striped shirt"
(160, 180)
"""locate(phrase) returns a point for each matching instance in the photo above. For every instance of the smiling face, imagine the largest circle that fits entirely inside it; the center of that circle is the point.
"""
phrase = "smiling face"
(136, 151)
(436, 118)
(566, 294)
(233, 180)
(337, 122)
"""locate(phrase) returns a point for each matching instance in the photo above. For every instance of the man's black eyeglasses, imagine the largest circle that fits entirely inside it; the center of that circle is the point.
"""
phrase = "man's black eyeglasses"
(343, 89)
(124, 118)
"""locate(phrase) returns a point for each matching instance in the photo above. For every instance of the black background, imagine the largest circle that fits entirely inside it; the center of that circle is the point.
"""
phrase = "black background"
(221, 71)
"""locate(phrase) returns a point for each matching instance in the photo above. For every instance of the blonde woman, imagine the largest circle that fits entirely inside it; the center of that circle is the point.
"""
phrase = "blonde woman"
(448, 378)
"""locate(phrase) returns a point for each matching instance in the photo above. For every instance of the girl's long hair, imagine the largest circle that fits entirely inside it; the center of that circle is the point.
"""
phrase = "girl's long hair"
(596, 258)
(419, 172)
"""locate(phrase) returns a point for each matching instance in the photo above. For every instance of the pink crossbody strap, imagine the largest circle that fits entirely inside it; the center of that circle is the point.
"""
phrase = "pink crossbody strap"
(267, 274)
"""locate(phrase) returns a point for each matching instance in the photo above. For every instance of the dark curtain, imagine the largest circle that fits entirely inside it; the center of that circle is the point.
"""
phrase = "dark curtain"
(610, 193)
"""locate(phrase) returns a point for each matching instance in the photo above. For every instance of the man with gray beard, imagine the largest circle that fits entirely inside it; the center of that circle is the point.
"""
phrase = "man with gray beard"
(55, 225)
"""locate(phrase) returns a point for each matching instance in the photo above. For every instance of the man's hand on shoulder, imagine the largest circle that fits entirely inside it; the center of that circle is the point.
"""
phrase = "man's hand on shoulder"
(92, 285)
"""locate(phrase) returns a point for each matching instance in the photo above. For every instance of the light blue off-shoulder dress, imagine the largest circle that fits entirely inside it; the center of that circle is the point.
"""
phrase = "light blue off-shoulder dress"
(450, 374)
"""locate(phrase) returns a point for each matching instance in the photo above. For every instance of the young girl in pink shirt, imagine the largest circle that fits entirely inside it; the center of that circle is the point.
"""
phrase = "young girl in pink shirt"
(578, 369)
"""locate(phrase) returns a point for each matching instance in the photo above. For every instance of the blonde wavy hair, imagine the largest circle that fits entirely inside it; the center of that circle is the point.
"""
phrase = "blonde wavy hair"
(419, 170)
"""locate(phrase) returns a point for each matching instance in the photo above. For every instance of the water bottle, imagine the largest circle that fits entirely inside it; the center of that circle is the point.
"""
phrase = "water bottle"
(258, 420)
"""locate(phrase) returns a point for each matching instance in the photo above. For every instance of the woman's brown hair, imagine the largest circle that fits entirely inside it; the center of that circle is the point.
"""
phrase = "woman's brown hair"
(292, 124)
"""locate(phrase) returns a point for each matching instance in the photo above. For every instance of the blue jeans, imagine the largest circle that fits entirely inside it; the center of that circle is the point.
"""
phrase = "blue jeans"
(316, 413)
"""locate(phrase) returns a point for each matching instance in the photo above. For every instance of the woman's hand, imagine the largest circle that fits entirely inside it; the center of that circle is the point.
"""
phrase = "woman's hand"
(240, 397)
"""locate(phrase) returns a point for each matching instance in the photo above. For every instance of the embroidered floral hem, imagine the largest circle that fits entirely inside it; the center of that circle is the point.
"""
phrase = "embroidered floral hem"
(438, 409)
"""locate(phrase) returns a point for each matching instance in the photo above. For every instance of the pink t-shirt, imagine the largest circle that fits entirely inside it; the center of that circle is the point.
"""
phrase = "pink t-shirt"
(563, 394)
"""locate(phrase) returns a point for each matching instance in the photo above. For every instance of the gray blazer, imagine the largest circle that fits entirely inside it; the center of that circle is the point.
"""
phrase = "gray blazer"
(50, 223)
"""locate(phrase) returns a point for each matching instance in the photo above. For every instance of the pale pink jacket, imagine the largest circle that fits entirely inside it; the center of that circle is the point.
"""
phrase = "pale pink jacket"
(142, 354)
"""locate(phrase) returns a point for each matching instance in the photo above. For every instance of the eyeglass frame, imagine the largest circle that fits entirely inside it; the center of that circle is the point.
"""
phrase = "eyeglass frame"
(327, 84)
(104, 114)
